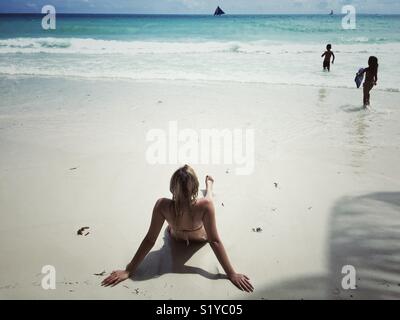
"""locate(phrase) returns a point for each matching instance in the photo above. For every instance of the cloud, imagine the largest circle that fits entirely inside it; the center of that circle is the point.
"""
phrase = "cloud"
(201, 6)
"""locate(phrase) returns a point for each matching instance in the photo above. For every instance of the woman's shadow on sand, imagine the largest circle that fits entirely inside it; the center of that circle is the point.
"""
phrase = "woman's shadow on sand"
(171, 258)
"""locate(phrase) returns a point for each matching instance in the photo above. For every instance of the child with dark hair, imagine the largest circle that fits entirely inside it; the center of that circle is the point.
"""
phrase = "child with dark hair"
(328, 54)
(371, 79)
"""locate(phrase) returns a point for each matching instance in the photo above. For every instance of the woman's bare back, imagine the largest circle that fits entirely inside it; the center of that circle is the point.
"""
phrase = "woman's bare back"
(189, 225)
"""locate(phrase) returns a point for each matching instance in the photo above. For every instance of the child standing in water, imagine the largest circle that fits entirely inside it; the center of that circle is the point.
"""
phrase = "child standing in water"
(371, 78)
(328, 54)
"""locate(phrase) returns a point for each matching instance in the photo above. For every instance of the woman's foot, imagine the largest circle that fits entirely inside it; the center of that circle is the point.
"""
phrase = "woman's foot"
(209, 186)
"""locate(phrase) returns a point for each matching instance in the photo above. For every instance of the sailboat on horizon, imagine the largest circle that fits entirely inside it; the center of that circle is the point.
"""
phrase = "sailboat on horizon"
(219, 12)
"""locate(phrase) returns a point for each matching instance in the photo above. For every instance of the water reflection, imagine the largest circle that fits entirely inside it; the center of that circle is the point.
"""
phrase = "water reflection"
(322, 94)
(359, 135)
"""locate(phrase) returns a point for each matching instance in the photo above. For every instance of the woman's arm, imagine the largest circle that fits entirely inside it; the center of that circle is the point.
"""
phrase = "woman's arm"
(210, 225)
(147, 244)
(149, 240)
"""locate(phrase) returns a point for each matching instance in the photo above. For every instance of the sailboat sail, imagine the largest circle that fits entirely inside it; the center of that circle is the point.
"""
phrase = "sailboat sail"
(218, 12)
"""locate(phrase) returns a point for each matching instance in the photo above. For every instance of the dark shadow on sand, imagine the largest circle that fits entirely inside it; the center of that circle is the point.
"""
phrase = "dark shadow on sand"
(171, 258)
(365, 233)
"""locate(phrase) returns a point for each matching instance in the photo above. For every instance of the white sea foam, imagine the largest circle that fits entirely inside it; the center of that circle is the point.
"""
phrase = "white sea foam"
(251, 61)
(96, 46)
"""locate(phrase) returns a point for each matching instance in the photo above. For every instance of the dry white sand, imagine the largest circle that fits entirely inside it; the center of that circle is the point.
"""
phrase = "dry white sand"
(72, 154)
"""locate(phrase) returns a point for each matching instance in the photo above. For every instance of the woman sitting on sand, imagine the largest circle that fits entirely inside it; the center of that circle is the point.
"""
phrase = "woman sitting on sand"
(189, 219)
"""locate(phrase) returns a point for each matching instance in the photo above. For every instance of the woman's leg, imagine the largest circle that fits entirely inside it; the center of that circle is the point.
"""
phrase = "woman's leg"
(367, 89)
(366, 94)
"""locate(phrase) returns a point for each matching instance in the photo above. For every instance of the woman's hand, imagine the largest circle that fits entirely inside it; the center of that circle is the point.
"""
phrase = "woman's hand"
(115, 277)
(242, 282)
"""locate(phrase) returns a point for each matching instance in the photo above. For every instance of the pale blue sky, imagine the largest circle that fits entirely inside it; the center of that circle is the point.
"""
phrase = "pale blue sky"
(200, 6)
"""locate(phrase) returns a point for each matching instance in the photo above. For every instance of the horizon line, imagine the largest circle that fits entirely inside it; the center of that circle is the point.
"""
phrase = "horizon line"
(201, 14)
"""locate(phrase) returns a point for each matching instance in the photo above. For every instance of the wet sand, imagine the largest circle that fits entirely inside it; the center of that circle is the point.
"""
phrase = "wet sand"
(325, 189)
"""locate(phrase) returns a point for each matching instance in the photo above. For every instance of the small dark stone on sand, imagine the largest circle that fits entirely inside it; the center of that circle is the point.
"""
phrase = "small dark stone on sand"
(257, 229)
(81, 230)
(276, 185)
(100, 274)
(222, 204)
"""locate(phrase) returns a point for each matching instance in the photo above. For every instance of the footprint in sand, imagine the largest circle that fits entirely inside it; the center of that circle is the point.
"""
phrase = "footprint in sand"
(136, 291)
(9, 286)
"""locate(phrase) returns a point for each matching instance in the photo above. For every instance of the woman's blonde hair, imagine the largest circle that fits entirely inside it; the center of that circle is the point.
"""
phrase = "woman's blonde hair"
(184, 187)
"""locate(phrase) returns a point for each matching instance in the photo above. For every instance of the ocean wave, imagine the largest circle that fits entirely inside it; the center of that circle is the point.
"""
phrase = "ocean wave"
(251, 61)
(97, 46)
(102, 47)
(376, 40)
(178, 76)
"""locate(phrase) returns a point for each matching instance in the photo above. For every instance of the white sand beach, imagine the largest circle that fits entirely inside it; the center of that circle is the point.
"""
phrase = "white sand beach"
(73, 154)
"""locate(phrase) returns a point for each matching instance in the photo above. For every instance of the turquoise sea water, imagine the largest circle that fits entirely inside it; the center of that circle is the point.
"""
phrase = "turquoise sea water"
(296, 28)
(249, 48)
